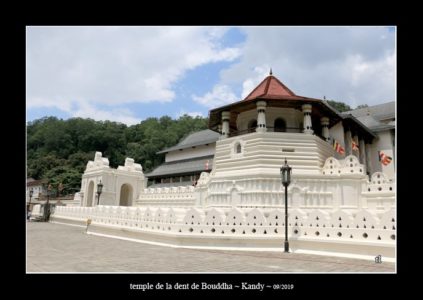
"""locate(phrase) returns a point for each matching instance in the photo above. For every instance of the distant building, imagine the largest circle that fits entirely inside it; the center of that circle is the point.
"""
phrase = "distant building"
(380, 119)
(38, 187)
(185, 161)
(194, 154)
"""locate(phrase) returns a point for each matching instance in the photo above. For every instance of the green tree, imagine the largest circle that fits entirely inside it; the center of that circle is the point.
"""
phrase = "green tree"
(339, 106)
(58, 150)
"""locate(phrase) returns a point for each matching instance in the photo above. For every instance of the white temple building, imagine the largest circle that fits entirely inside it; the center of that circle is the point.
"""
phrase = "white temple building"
(185, 161)
(341, 198)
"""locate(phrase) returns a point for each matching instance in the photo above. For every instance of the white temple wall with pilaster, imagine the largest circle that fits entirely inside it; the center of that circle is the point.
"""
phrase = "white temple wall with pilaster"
(292, 117)
(383, 143)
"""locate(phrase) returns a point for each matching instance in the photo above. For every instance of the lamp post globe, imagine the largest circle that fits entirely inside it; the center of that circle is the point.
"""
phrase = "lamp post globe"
(286, 180)
(99, 191)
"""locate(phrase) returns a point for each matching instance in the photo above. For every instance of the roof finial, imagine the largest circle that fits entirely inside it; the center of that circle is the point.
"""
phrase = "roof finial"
(324, 97)
(270, 73)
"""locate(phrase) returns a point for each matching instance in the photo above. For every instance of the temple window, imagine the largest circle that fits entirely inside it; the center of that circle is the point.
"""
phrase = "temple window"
(238, 148)
(252, 125)
(280, 125)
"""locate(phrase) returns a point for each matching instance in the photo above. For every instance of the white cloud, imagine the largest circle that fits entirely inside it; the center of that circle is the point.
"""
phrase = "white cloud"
(355, 65)
(85, 70)
(125, 116)
(59, 103)
(70, 67)
(220, 95)
(250, 83)
(189, 113)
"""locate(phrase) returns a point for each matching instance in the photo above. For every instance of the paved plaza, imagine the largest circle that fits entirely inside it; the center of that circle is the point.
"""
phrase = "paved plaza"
(60, 248)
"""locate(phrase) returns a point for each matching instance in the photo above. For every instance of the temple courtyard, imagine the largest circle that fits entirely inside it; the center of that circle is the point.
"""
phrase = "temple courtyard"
(62, 248)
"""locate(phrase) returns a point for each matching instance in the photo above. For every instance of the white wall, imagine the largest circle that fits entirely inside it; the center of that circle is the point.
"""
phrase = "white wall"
(37, 189)
(337, 132)
(361, 231)
(245, 117)
(198, 151)
(262, 153)
(292, 117)
(112, 182)
(383, 143)
(112, 179)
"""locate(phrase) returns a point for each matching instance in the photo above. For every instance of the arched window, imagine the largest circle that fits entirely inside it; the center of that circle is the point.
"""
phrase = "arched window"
(252, 125)
(238, 148)
(280, 125)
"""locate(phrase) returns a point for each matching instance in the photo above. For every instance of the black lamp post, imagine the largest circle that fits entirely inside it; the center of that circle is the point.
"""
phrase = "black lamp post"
(99, 190)
(31, 192)
(286, 180)
(48, 193)
(47, 205)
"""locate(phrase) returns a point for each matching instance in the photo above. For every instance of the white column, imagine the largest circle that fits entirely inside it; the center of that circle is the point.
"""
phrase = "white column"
(225, 124)
(308, 128)
(362, 152)
(389, 170)
(369, 159)
(348, 140)
(325, 128)
(261, 116)
(356, 153)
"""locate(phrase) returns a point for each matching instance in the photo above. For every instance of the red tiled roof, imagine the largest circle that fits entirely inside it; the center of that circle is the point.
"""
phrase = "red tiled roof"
(270, 88)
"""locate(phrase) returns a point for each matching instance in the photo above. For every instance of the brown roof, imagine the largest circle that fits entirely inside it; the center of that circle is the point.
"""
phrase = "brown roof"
(270, 88)
(36, 182)
(276, 94)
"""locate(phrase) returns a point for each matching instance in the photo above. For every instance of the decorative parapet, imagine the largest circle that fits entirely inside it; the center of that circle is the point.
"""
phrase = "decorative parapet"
(194, 216)
(237, 216)
(366, 219)
(388, 220)
(203, 180)
(342, 219)
(331, 167)
(380, 183)
(78, 197)
(318, 218)
(379, 193)
(349, 165)
(297, 217)
(130, 166)
(361, 225)
(181, 196)
(214, 217)
(98, 163)
(254, 217)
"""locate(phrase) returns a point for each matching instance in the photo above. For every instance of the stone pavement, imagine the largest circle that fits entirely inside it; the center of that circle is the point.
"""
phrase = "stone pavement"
(61, 248)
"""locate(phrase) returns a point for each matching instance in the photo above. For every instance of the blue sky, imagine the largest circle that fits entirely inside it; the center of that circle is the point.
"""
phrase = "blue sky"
(128, 74)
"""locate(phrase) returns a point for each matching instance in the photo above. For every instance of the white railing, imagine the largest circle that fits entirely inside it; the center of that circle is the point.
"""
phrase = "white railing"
(181, 196)
(363, 225)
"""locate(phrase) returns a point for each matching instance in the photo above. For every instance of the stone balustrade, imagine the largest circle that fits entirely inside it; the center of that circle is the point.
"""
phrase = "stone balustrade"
(181, 196)
(348, 166)
(363, 225)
